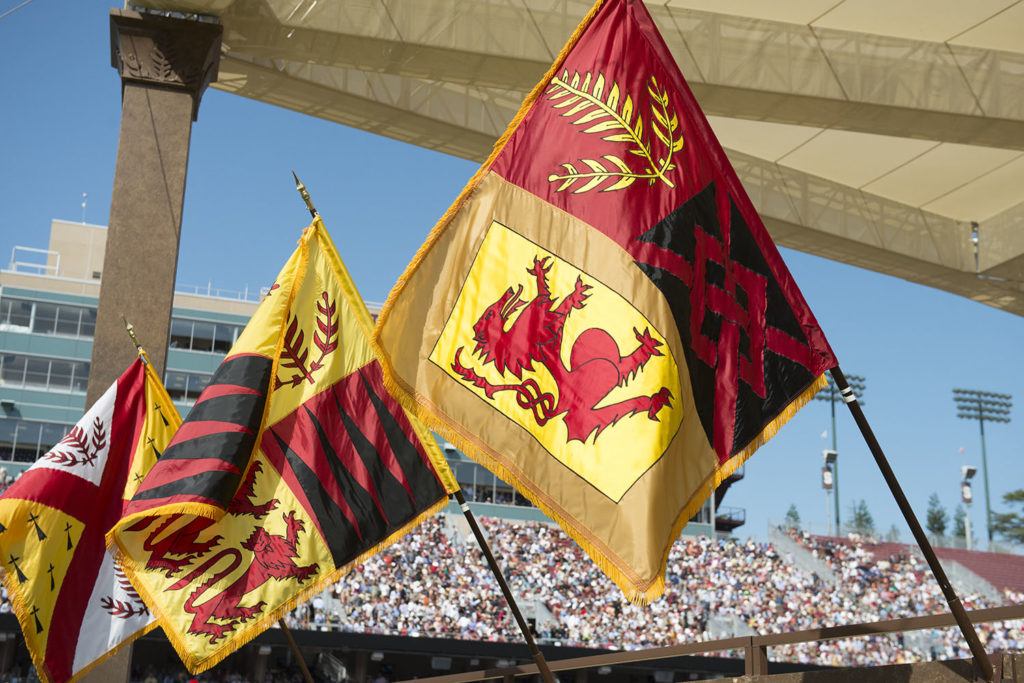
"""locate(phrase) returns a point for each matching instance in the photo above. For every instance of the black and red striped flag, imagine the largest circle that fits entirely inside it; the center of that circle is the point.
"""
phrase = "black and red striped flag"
(294, 464)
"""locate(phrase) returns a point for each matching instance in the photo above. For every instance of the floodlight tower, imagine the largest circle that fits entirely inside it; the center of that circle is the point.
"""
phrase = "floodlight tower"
(827, 481)
(983, 406)
(831, 394)
(967, 472)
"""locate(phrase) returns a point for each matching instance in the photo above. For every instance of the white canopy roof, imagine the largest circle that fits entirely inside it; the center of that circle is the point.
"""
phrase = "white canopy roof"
(866, 131)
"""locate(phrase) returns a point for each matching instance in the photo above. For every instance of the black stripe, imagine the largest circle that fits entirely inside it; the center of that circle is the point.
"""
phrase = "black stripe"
(395, 500)
(339, 534)
(426, 489)
(215, 485)
(252, 372)
(232, 447)
(240, 409)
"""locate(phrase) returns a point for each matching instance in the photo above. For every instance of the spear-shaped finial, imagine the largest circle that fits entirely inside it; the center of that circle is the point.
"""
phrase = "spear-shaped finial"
(131, 333)
(305, 196)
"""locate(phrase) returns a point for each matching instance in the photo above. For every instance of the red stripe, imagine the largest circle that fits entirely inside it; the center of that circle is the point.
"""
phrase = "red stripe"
(194, 429)
(218, 390)
(377, 434)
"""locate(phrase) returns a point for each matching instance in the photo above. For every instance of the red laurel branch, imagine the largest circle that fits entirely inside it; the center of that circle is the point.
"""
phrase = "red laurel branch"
(121, 609)
(99, 439)
(327, 325)
(77, 446)
(293, 356)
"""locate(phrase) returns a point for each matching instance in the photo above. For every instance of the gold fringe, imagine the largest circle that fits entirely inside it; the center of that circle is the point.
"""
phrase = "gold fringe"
(24, 616)
(110, 653)
(633, 587)
(24, 619)
(237, 640)
(725, 470)
(442, 224)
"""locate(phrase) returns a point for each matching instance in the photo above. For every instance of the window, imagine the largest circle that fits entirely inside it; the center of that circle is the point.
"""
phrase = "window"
(69, 318)
(50, 373)
(43, 317)
(200, 335)
(185, 387)
(60, 374)
(12, 369)
(15, 312)
(26, 440)
(224, 337)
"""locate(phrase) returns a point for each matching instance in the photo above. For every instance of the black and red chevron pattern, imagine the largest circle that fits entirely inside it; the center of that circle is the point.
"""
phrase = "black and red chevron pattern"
(351, 457)
(747, 352)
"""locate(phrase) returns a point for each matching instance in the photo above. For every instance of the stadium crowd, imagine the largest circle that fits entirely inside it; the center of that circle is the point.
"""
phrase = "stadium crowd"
(430, 584)
(434, 583)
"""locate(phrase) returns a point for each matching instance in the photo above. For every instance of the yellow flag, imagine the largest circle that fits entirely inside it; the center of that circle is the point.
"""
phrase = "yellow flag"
(294, 464)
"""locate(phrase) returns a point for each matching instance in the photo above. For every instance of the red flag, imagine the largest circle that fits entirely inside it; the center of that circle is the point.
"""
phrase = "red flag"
(601, 318)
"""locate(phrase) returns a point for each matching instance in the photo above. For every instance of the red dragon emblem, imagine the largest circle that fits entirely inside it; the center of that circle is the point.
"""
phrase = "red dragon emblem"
(273, 557)
(595, 365)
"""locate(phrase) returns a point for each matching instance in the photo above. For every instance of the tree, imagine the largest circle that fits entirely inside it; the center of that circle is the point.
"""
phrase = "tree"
(936, 518)
(960, 522)
(894, 534)
(1010, 525)
(792, 519)
(861, 520)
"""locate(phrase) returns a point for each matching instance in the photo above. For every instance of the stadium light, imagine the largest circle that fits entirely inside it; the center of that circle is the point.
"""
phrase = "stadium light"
(831, 394)
(967, 496)
(827, 482)
(983, 406)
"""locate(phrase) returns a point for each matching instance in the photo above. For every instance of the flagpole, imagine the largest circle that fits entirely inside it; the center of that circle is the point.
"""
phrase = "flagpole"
(981, 658)
(295, 650)
(538, 657)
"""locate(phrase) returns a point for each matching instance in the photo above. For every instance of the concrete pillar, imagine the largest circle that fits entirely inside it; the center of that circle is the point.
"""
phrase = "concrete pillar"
(165, 66)
(362, 666)
(258, 669)
(10, 644)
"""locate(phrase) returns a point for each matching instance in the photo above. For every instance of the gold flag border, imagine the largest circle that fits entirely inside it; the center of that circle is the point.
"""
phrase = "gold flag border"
(18, 606)
(238, 639)
(635, 589)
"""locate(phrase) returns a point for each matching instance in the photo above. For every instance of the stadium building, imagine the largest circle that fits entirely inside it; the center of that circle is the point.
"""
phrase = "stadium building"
(48, 301)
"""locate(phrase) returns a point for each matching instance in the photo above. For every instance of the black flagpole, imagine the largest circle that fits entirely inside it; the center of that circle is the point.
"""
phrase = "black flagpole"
(538, 656)
(981, 659)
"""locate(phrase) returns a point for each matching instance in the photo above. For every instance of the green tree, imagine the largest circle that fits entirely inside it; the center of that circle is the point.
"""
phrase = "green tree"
(792, 519)
(861, 520)
(960, 522)
(936, 518)
(894, 534)
(1010, 525)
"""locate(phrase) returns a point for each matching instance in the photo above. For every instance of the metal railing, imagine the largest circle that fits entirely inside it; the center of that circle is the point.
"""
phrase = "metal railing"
(755, 648)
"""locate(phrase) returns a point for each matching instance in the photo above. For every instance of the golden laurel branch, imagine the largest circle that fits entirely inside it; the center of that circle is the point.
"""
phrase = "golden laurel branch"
(589, 101)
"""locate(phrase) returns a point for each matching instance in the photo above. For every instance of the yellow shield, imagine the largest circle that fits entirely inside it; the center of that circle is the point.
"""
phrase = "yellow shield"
(598, 387)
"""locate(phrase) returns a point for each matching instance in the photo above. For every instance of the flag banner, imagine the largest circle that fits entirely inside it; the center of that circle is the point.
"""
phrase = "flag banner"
(293, 465)
(75, 606)
(601, 317)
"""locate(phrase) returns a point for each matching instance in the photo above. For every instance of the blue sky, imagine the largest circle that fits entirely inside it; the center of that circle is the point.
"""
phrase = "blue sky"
(59, 119)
